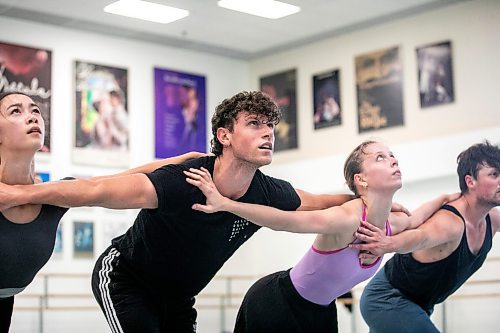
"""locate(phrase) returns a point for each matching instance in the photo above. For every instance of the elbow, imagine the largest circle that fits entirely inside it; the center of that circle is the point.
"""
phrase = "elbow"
(94, 195)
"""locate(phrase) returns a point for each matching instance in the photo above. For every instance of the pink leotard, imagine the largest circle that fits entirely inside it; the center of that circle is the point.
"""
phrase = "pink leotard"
(322, 276)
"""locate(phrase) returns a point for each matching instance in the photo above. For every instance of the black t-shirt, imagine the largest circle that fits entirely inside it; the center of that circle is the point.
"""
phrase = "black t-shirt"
(428, 284)
(25, 248)
(176, 250)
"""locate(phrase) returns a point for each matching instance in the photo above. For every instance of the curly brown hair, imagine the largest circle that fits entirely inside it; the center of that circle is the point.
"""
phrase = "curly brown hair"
(253, 102)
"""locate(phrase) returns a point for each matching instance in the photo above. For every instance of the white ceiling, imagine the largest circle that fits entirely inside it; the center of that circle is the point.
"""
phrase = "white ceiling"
(216, 30)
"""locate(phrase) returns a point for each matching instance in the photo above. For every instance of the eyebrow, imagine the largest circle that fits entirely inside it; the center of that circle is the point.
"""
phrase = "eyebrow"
(377, 152)
(251, 117)
(20, 104)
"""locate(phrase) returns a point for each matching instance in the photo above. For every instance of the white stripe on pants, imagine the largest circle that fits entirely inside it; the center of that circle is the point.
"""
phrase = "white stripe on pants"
(104, 281)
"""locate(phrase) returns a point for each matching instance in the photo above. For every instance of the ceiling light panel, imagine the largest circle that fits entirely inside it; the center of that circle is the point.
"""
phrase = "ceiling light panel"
(264, 8)
(145, 10)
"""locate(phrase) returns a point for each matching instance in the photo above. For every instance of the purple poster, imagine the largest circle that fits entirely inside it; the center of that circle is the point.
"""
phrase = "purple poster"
(28, 70)
(180, 113)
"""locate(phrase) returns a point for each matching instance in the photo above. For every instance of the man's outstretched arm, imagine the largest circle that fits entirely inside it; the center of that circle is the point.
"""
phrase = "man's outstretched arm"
(152, 166)
(441, 228)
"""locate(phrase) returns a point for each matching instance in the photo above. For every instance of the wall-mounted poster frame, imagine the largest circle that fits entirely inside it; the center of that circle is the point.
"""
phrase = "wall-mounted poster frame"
(114, 227)
(281, 87)
(29, 70)
(326, 95)
(180, 113)
(435, 74)
(379, 86)
(58, 245)
(101, 116)
(83, 239)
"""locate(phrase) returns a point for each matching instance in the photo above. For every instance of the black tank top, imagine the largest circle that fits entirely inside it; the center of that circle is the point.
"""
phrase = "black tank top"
(428, 284)
(25, 248)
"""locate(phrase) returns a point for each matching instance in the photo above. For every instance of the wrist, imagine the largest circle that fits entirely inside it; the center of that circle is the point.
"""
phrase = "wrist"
(227, 204)
(20, 196)
(393, 245)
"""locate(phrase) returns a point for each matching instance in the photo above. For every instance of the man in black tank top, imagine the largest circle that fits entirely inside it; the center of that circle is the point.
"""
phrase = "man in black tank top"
(435, 259)
(147, 279)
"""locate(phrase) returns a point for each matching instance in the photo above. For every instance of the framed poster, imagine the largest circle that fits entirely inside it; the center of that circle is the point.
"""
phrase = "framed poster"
(113, 228)
(281, 88)
(101, 116)
(180, 113)
(326, 94)
(58, 245)
(435, 74)
(43, 176)
(28, 70)
(379, 86)
(83, 239)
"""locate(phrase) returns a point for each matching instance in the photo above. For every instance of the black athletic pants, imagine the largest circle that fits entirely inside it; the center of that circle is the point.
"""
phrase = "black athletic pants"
(6, 306)
(130, 308)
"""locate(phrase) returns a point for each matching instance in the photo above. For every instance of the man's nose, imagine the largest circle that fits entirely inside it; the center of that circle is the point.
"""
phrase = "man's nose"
(268, 132)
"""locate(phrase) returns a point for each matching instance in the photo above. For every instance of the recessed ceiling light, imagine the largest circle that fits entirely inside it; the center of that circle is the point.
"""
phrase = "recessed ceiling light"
(144, 10)
(264, 8)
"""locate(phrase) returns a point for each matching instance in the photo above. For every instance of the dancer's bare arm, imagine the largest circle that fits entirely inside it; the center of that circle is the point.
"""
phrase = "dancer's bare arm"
(441, 228)
(327, 221)
(401, 222)
(309, 201)
(132, 191)
(128, 189)
(150, 167)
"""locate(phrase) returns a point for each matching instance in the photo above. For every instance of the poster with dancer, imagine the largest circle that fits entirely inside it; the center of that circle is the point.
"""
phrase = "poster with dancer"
(379, 85)
(326, 94)
(180, 113)
(435, 74)
(281, 88)
(101, 115)
(28, 70)
(83, 240)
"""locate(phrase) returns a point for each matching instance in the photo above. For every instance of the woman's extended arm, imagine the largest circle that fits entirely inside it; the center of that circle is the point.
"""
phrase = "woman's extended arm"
(317, 221)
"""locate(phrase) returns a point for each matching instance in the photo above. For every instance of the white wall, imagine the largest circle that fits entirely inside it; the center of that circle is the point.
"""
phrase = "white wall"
(473, 28)
(426, 146)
